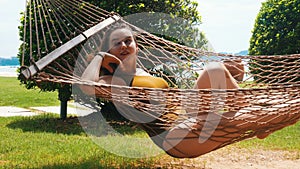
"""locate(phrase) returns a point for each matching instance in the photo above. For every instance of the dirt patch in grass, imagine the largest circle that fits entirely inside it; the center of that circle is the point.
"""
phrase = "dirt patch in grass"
(232, 157)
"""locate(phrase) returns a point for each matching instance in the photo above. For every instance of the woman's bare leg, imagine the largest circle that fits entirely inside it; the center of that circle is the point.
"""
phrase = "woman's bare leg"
(216, 76)
(184, 142)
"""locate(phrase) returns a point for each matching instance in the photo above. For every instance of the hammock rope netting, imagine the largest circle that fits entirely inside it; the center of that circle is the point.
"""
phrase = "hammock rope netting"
(61, 35)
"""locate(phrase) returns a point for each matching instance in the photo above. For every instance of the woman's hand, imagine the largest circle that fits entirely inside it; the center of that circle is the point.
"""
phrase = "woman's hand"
(109, 61)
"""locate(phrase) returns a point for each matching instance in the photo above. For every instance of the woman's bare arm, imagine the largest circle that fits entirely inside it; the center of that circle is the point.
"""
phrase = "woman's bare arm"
(91, 73)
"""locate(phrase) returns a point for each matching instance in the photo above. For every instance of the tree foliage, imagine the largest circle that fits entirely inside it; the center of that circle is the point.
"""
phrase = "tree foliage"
(277, 28)
(276, 32)
(181, 27)
(186, 9)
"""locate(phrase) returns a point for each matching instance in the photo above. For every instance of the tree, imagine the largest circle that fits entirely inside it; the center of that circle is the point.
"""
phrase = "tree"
(186, 9)
(277, 28)
(276, 32)
(185, 30)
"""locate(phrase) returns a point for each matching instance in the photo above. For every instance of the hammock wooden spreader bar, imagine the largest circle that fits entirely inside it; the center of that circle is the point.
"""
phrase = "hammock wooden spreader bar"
(52, 56)
(60, 36)
(53, 30)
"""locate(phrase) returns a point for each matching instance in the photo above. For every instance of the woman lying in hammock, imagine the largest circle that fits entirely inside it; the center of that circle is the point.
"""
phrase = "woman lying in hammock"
(122, 51)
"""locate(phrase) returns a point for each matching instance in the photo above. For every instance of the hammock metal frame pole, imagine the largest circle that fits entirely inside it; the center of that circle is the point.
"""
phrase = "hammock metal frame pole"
(63, 109)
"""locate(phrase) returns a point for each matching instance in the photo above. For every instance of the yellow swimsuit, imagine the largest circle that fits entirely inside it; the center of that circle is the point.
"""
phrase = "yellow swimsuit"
(143, 79)
(149, 81)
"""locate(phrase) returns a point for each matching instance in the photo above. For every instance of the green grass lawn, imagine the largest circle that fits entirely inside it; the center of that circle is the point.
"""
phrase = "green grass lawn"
(46, 141)
(12, 93)
(286, 139)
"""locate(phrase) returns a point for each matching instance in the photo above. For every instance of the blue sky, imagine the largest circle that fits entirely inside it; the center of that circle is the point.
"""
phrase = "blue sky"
(226, 23)
(9, 22)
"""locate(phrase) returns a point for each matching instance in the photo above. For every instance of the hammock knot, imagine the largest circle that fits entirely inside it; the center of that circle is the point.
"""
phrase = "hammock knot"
(113, 15)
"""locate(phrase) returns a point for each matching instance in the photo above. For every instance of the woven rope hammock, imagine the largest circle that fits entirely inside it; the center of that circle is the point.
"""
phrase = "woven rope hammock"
(60, 35)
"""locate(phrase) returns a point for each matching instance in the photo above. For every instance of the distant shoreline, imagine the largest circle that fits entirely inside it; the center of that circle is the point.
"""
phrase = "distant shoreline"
(9, 61)
(9, 71)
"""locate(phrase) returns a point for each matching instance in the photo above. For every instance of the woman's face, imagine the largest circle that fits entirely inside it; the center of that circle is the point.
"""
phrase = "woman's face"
(122, 44)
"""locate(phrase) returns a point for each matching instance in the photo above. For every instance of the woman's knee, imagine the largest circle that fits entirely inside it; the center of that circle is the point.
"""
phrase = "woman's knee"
(216, 68)
(216, 76)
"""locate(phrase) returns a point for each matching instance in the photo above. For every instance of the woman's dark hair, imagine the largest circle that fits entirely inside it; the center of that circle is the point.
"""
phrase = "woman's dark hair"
(105, 42)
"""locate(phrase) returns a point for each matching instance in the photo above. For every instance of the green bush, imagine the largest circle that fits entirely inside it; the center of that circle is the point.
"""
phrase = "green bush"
(276, 32)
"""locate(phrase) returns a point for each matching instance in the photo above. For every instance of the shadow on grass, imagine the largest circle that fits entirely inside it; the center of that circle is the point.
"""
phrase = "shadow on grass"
(71, 125)
(47, 123)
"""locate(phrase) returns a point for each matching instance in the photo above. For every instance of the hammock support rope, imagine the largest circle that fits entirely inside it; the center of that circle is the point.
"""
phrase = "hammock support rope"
(268, 100)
